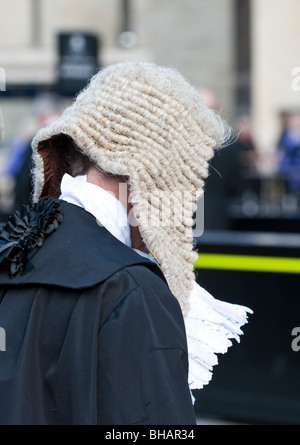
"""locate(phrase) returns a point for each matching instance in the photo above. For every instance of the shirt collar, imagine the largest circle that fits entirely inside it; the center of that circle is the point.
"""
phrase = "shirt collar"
(108, 210)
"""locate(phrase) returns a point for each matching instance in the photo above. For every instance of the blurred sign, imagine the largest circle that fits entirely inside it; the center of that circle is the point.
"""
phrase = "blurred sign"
(78, 60)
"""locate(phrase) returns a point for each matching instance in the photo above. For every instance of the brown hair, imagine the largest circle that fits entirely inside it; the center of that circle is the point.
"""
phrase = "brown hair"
(65, 157)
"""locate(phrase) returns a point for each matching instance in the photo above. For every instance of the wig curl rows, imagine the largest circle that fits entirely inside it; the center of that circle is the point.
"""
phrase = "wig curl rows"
(150, 124)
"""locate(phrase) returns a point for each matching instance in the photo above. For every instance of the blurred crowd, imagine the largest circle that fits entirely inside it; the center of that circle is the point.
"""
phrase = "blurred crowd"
(15, 159)
(247, 183)
(236, 185)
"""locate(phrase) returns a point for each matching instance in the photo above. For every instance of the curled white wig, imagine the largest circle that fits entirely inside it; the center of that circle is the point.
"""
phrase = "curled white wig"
(150, 124)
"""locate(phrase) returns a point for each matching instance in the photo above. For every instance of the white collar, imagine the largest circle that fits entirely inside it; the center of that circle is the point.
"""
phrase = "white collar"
(108, 210)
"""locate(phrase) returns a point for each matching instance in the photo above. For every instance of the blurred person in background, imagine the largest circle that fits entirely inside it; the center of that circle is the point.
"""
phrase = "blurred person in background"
(1, 126)
(6, 182)
(231, 171)
(289, 153)
(2, 187)
(46, 107)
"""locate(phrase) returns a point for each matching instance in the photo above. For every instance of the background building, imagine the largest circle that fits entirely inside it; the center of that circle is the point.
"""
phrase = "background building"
(245, 52)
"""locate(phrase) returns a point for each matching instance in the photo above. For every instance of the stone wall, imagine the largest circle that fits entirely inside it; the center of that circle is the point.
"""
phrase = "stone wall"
(194, 36)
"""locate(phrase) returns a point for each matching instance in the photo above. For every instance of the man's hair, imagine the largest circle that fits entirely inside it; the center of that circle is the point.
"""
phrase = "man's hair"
(66, 158)
(71, 159)
(78, 163)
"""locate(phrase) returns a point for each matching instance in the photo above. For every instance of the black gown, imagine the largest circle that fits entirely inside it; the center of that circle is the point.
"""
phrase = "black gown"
(93, 333)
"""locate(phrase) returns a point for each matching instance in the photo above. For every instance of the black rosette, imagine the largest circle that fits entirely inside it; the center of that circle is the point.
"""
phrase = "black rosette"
(25, 233)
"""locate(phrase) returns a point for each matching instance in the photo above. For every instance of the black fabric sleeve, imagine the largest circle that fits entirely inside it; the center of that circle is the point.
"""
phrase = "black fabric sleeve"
(143, 363)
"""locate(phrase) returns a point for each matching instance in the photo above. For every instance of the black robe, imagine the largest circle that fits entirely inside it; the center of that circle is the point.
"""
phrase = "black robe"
(93, 335)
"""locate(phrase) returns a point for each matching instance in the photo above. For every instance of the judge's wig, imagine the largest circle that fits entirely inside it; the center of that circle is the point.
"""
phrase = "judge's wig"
(150, 124)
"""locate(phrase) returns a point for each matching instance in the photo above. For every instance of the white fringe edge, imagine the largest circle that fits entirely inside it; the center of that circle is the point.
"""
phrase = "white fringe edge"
(210, 326)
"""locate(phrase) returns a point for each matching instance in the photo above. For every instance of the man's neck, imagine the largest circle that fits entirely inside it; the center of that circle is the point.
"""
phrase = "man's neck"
(118, 187)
